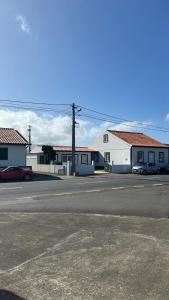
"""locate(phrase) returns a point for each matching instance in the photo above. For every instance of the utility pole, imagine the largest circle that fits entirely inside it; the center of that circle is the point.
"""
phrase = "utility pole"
(30, 142)
(73, 139)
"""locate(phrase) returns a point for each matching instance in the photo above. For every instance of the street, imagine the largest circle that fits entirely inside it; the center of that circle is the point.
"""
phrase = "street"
(106, 194)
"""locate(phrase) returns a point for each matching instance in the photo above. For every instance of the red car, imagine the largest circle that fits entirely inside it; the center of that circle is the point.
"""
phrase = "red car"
(16, 173)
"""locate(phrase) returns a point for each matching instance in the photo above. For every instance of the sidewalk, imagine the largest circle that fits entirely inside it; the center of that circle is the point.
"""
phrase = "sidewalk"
(64, 256)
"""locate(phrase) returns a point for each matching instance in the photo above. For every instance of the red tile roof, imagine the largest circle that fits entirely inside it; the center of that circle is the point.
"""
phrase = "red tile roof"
(137, 139)
(38, 149)
(11, 136)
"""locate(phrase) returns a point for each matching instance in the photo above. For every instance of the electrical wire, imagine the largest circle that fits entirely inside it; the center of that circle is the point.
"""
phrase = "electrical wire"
(36, 103)
(34, 108)
(121, 119)
(126, 124)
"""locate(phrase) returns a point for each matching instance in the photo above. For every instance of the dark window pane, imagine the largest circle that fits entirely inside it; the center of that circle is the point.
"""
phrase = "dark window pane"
(84, 159)
(3, 153)
(105, 138)
(107, 157)
(140, 156)
(161, 157)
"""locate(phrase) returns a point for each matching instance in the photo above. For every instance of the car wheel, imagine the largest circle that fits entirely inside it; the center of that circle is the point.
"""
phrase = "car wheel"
(27, 177)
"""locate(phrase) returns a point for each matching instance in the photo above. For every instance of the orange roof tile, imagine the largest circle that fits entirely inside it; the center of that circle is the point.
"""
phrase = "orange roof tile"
(137, 139)
(11, 136)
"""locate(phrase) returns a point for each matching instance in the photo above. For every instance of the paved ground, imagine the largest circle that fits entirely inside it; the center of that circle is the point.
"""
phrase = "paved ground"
(59, 241)
(115, 194)
(58, 256)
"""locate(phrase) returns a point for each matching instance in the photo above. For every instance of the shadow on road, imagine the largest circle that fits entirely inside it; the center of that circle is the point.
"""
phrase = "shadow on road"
(8, 295)
(36, 177)
(44, 177)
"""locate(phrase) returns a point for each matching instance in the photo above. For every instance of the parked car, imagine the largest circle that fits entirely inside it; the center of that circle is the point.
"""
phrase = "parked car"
(16, 173)
(146, 168)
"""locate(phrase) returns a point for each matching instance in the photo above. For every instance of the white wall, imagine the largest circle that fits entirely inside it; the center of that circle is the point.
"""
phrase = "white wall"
(119, 152)
(16, 155)
(146, 150)
(53, 169)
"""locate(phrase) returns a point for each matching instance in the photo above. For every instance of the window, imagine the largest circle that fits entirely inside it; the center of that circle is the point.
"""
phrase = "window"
(42, 159)
(151, 157)
(140, 157)
(161, 157)
(68, 157)
(107, 157)
(105, 138)
(3, 153)
(84, 159)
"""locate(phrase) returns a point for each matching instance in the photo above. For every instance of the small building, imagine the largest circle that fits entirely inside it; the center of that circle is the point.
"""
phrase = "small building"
(12, 148)
(83, 159)
(120, 150)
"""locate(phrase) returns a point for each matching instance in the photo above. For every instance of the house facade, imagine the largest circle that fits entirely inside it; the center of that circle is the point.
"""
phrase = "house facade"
(120, 150)
(83, 155)
(12, 148)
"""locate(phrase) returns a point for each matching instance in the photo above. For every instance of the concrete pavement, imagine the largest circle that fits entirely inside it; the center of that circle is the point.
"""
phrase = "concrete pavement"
(69, 256)
(59, 241)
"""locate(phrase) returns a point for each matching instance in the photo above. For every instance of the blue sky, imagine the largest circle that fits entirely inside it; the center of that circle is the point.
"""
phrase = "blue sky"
(109, 55)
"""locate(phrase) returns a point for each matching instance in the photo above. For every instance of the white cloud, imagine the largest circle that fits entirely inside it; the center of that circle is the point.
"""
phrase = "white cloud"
(56, 130)
(23, 24)
(167, 117)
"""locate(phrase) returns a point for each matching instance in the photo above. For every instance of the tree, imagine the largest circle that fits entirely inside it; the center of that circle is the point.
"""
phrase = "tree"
(49, 153)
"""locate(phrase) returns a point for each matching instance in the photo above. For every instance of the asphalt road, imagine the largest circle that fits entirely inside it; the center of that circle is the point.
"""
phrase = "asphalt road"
(130, 195)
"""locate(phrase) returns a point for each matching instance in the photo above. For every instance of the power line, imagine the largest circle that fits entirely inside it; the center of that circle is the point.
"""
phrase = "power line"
(121, 119)
(36, 103)
(128, 125)
(34, 108)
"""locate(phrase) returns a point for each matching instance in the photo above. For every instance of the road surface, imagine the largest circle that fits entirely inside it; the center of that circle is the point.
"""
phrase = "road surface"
(107, 194)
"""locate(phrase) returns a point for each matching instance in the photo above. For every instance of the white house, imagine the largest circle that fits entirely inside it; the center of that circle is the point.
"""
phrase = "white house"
(12, 148)
(120, 150)
(83, 159)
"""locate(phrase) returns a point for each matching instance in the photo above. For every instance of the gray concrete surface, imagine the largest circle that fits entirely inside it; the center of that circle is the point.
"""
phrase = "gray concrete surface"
(75, 256)
(115, 194)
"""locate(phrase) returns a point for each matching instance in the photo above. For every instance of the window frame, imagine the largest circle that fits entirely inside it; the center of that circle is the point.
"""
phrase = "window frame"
(138, 152)
(149, 157)
(159, 159)
(5, 157)
(105, 157)
(105, 138)
(86, 155)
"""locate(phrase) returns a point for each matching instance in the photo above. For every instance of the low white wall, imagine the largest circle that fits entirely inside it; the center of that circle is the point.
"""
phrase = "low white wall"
(53, 169)
(85, 169)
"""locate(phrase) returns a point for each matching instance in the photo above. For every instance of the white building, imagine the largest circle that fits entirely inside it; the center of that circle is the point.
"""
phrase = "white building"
(12, 148)
(83, 159)
(120, 150)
